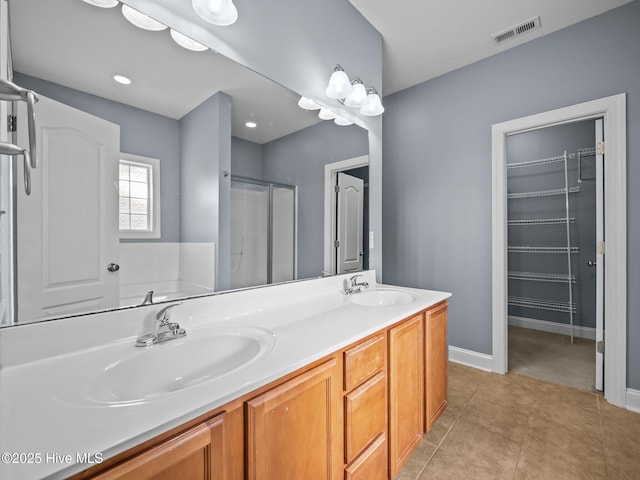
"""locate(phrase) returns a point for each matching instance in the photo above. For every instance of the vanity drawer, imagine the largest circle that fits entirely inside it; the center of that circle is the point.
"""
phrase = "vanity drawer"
(363, 361)
(372, 464)
(365, 415)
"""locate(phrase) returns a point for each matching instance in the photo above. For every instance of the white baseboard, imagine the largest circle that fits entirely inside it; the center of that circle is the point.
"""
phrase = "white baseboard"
(633, 400)
(552, 327)
(481, 361)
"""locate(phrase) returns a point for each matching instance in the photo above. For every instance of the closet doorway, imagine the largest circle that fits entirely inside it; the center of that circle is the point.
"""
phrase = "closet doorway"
(554, 221)
(612, 110)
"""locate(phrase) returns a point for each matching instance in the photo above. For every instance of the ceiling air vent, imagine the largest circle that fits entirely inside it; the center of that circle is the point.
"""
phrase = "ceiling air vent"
(516, 30)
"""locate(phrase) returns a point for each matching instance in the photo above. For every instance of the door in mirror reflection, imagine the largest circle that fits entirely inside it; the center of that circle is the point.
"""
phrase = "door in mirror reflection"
(350, 201)
(263, 232)
(67, 230)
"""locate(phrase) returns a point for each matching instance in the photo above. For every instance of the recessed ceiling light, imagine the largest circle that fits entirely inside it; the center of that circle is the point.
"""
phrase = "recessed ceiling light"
(102, 3)
(141, 20)
(251, 124)
(186, 42)
(122, 79)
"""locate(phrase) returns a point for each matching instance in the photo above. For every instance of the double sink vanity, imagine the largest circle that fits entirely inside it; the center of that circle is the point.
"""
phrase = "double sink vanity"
(290, 381)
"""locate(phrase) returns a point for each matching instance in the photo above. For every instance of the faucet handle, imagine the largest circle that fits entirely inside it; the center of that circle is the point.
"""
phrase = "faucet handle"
(163, 314)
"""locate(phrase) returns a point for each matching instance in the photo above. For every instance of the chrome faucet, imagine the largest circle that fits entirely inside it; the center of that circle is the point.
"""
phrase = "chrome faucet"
(353, 286)
(164, 329)
(148, 298)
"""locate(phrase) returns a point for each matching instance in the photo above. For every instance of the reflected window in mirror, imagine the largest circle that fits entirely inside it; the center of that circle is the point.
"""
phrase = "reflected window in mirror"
(139, 197)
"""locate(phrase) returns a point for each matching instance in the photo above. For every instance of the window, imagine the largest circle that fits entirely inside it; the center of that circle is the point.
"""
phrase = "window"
(139, 198)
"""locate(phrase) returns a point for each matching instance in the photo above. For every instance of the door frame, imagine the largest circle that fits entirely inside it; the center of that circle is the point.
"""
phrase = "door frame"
(613, 111)
(330, 174)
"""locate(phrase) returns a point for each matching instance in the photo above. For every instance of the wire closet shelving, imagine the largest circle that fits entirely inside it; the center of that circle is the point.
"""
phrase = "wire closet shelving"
(567, 277)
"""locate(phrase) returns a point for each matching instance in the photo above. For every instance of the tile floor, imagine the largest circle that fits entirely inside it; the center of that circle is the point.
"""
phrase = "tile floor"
(517, 427)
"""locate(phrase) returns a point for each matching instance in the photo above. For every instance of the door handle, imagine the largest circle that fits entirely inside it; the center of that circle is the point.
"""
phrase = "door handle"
(113, 267)
(591, 263)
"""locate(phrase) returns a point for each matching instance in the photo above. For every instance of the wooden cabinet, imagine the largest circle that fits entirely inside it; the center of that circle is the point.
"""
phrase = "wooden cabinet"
(372, 464)
(436, 359)
(357, 414)
(365, 409)
(406, 390)
(294, 430)
(197, 453)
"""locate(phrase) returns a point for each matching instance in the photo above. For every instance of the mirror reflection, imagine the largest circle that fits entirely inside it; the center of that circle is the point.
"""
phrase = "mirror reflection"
(197, 176)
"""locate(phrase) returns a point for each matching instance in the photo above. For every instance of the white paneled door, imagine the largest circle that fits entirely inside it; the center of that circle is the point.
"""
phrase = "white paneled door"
(68, 227)
(350, 223)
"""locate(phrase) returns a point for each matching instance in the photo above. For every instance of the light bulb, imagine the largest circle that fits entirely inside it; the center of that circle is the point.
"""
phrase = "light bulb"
(339, 85)
(186, 42)
(343, 122)
(141, 20)
(374, 105)
(326, 114)
(358, 96)
(102, 3)
(308, 104)
(217, 12)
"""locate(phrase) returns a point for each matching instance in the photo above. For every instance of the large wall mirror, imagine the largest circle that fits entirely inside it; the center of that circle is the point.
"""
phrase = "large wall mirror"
(158, 185)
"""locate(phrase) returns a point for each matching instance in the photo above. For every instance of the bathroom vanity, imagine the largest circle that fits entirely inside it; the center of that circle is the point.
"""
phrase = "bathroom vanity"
(336, 386)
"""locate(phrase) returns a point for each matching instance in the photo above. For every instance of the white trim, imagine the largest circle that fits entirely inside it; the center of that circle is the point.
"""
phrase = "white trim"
(633, 400)
(613, 111)
(330, 172)
(481, 361)
(156, 212)
(552, 327)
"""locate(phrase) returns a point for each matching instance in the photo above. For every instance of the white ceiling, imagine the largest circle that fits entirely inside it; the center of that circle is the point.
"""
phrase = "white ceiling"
(423, 39)
(80, 46)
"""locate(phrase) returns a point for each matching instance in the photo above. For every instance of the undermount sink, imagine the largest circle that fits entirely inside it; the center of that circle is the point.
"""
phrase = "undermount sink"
(139, 375)
(381, 297)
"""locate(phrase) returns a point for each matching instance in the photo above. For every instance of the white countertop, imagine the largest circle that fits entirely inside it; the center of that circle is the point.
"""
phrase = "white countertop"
(40, 419)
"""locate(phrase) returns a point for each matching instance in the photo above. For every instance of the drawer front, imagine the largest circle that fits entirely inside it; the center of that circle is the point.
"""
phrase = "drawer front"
(363, 361)
(372, 464)
(365, 415)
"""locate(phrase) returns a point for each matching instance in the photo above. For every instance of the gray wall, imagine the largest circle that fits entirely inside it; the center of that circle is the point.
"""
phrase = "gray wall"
(299, 159)
(289, 43)
(545, 143)
(437, 167)
(141, 133)
(205, 204)
(246, 158)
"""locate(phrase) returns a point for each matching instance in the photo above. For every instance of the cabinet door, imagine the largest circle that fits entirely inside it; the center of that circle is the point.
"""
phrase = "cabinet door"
(436, 352)
(198, 453)
(406, 390)
(293, 430)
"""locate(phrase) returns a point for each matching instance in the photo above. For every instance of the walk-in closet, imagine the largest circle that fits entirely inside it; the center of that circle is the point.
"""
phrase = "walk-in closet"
(551, 185)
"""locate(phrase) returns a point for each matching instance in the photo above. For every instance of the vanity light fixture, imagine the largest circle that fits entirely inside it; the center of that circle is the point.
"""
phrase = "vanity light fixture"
(186, 42)
(339, 85)
(122, 79)
(343, 122)
(308, 104)
(358, 96)
(141, 20)
(102, 3)
(353, 93)
(326, 114)
(373, 106)
(217, 12)
(251, 124)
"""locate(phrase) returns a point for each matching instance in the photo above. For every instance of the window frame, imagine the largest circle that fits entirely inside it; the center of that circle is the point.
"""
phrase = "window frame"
(154, 196)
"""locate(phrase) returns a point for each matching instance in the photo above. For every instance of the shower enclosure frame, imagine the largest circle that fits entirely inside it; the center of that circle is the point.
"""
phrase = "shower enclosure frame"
(271, 186)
